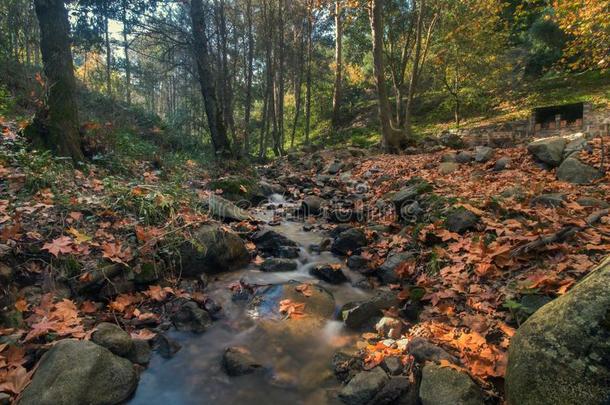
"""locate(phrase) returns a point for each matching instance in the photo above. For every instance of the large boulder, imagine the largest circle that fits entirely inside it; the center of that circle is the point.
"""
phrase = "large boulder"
(574, 171)
(447, 386)
(212, 250)
(483, 154)
(548, 150)
(561, 354)
(77, 372)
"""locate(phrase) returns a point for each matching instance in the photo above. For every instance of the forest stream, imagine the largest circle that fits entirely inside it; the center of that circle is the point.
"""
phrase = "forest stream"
(297, 358)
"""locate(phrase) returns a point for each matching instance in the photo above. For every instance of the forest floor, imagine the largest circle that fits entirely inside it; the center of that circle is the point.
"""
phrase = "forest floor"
(83, 246)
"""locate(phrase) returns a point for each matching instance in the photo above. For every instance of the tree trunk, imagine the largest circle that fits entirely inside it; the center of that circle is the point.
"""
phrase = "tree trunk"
(213, 110)
(280, 78)
(249, 74)
(308, 76)
(392, 138)
(297, 86)
(108, 57)
(126, 50)
(60, 131)
(338, 63)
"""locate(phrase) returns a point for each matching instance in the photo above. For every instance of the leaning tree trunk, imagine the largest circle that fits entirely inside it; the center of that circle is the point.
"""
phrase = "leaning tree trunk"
(213, 109)
(392, 138)
(57, 129)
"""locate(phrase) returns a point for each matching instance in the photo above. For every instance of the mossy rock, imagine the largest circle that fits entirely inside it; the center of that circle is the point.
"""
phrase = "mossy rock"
(238, 188)
(561, 354)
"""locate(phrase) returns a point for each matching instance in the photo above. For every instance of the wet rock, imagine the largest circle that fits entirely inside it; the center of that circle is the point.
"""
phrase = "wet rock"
(319, 302)
(272, 243)
(464, 157)
(237, 361)
(357, 314)
(349, 242)
(339, 229)
(548, 150)
(140, 352)
(550, 199)
(190, 317)
(166, 346)
(278, 264)
(461, 220)
(312, 205)
(483, 154)
(389, 327)
(357, 262)
(346, 365)
(424, 351)
(80, 372)
(363, 387)
(392, 392)
(386, 272)
(561, 354)
(502, 164)
(328, 273)
(224, 209)
(574, 171)
(270, 188)
(113, 338)
(448, 167)
(447, 386)
(393, 365)
(213, 250)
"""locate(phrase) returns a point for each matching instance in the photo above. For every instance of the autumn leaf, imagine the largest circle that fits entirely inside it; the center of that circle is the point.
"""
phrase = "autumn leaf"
(158, 293)
(61, 245)
(79, 237)
(305, 289)
(292, 309)
(115, 253)
(21, 305)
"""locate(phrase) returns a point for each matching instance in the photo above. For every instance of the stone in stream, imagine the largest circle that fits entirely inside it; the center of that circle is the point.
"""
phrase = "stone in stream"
(393, 365)
(561, 354)
(357, 262)
(113, 338)
(212, 250)
(461, 220)
(548, 150)
(576, 172)
(272, 243)
(357, 314)
(224, 209)
(140, 352)
(349, 242)
(393, 392)
(165, 346)
(330, 274)
(447, 386)
(189, 317)
(364, 386)
(346, 365)
(237, 361)
(312, 205)
(77, 372)
(278, 264)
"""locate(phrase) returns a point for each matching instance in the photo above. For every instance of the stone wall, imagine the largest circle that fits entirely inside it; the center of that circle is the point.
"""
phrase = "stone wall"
(593, 123)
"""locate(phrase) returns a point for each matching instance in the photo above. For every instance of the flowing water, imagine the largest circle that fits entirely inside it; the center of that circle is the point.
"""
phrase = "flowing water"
(299, 357)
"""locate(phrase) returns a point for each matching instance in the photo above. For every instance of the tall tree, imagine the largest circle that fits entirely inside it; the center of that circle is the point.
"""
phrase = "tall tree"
(338, 61)
(393, 139)
(213, 109)
(57, 128)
